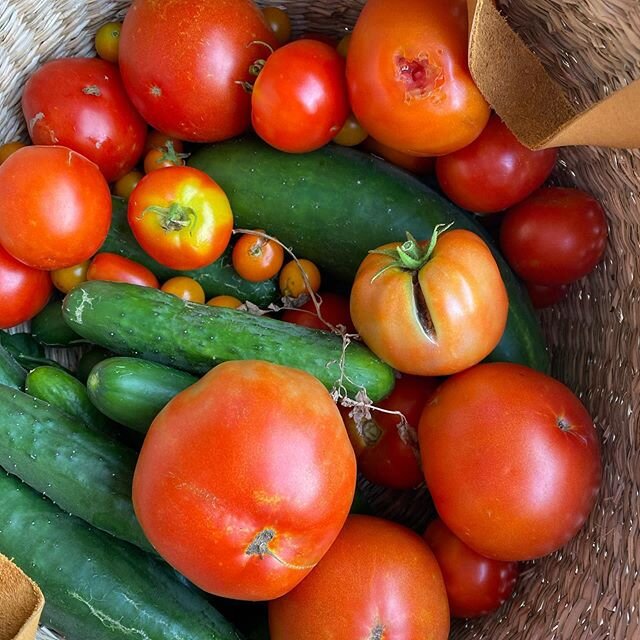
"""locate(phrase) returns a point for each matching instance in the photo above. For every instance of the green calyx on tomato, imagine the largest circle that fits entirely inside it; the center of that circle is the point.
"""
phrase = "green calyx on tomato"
(255, 67)
(170, 155)
(174, 217)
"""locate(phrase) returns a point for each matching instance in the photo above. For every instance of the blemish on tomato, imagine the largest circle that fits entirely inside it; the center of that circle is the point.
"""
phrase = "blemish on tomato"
(420, 77)
(155, 91)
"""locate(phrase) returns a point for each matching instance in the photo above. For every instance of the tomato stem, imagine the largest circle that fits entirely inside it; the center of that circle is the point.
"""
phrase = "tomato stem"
(174, 217)
(259, 546)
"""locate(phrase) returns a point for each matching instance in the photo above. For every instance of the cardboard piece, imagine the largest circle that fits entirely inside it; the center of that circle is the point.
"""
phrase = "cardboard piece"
(531, 104)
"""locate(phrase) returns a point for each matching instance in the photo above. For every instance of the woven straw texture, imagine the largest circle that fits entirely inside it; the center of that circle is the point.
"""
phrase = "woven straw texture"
(591, 589)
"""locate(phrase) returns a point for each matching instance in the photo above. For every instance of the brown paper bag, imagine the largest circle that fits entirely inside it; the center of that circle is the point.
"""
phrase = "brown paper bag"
(21, 603)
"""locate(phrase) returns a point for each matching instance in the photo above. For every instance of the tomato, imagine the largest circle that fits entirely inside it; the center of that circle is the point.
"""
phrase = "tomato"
(343, 46)
(230, 302)
(279, 22)
(24, 291)
(414, 164)
(8, 148)
(107, 41)
(511, 459)
(297, 278)
(556, 236)
(256, 258)
(409, 84)
(68, 201)
(158, 140)
(495, 171)
(245, 479)
(475, 585)
(299, 100)
(162, 157)
(333, 308)
(115, 268)
(66, 279)
(185, 288)
(430, 311)
(180, 217)
(351, 134)
(169, 48)
(325, 38)
(543, 296)
(81, 103)
(386, 447)
(125, 185)
(379, 581)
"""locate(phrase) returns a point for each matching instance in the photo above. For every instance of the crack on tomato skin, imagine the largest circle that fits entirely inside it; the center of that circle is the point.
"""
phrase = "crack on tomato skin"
(422, 310)
(563, 424)
(377, 633)
(420, 76)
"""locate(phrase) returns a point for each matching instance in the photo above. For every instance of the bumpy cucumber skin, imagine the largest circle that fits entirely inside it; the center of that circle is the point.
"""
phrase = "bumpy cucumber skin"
(157, 326)
(97, 587)
(132, 391)
(88, 474)
(49, 329)
(12, 373)
(218, 278)
(335, 204)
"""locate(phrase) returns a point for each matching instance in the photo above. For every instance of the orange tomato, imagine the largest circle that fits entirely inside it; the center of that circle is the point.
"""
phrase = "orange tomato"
(230, 302)
(125, 185)
(8, 148)
(256, 258)
(158, 140)
(297, 278)
(65, 279)
(161, 157)
(115, 268)
(185, 288)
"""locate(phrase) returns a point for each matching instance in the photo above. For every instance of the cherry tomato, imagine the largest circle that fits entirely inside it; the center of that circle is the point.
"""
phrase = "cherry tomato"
(68, 201)
(414, 164)
(299, 100)
(475, 585)
(180, 217)
(334, 310)
(66, 279)
(556, 236)
(279, 22)
(230, 302)
(409, 84)
(511, 459)
(379, 580)
(256, 258)
(343, 45)
(297, 278)
(169, 48)
(158, 140)
(254, 524)
(107, 41)
(543, 295)
(351, 134)
(430, 311)
(185, 288)
(81, 103)
(163, 157)
(386, 447)
(24, 291)
(495, 171)
(115, 268)
(125, 185)
(8, 148)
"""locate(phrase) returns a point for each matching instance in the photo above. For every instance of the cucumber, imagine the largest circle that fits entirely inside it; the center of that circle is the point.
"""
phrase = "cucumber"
(133, 391)
(90, 359)
(11, 372)
(97, 587)
(335, 204)
(88, 474)
(21, 345)
(49, 329)
(218, 278)
(158, 326)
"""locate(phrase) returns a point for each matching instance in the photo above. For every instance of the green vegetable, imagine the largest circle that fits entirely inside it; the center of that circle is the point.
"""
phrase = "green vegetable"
(11, 372)
(49, 329)
(21, 344)
(90, 359)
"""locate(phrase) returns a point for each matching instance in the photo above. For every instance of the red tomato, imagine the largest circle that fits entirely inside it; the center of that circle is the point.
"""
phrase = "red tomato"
(180, 217)
(386, 449)
(409, 84)
(475, 585)
(334, 310)
(299, 100)
(430, 312)
(543, 296)
(68, 201)
(379, 581)
(246, 517)
(555, 236)
(81, 103)
(168, 49)
(494, 172)
(415, 164)
(24, 291)
(511, 459)
(115, 268)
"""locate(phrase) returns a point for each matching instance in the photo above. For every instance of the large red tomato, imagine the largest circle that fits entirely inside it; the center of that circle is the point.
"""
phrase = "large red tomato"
(184, 63)
(55, 207)
(409, 84)
(81, 103)
(511, 458)
(379, 581)
(245, 479)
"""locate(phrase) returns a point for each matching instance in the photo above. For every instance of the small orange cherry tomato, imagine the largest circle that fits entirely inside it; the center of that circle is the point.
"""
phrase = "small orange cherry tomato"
(256, 258)
(343, 45)
(67, 278)
(115, 268)
(351, 134)
(123, 187)
(162, 157)
(107, 41)
(279, 22)
(8, 148)
(292, 281)
(224, 301)
(185, 288)
(158, 140)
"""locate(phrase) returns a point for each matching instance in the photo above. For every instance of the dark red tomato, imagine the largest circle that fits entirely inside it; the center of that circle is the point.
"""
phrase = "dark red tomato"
(184, 63)
(555, 236)
(81, 103)
(115, 268)
(543, 295)
(495, 171)
(475, 585)
(23, 290)
(299, 100)
(333, 307)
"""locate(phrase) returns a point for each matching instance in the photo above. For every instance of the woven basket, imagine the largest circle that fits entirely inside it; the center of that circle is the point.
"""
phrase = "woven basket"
(591, 589)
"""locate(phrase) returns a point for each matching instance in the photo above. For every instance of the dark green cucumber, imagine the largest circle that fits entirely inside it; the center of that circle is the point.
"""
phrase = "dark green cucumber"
(11, 372)
(21, 345)
(335, 204)
(88, 474)
(90, 359)
(49, 329)
(97, 587)
(157, 326)
(218, 278)
(133, 391)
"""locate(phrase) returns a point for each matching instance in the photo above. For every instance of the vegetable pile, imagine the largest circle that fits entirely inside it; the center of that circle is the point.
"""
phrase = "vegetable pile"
(262, 316)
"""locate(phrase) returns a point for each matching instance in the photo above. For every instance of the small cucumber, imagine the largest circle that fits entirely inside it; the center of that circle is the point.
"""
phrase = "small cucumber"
(11, 372)
(49, 329)
(90, 359)
(21, 345)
